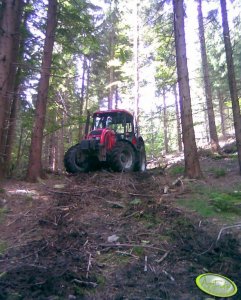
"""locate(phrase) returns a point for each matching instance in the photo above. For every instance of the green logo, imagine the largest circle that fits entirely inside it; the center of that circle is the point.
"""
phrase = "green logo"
(216, 285)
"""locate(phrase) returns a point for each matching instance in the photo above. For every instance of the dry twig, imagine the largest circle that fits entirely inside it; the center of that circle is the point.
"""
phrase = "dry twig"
(163, 257)
(89, 265)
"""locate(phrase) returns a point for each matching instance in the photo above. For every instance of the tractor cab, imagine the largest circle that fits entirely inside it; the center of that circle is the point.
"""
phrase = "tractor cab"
(120, 121)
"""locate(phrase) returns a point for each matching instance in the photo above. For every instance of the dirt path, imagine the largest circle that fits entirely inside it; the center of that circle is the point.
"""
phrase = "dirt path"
(107, 236)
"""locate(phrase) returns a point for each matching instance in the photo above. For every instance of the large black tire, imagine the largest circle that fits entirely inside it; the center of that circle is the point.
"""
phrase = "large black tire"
(75, 160)
(140, 165)
(122, 157)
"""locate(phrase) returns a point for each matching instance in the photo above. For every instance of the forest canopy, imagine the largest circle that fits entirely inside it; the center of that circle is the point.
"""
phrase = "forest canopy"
(174, 64)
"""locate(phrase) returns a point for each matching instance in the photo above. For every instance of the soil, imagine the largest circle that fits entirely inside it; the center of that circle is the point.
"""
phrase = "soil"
(106, 235)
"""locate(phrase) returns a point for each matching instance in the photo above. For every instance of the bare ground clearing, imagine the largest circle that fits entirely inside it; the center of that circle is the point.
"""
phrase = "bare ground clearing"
(112, 236)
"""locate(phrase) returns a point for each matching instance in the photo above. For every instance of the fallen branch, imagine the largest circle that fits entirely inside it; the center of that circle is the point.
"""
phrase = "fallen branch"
(227, 227)
(162, 258)
(127, 254)
(85, 283)
(141, 195)
(168, 275)
(89, 265)
(131, 245)
(145, 267)
(133, 214)
(18, 218)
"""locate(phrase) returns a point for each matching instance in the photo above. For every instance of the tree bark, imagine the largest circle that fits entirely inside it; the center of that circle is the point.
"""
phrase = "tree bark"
(165, 123)
(192, 166)
(87, 86)
(9, 46)
(222, 114)
(17, 81)
(137, 63)
(35, 163)
(232, 80)
(179, 133)
(207, 83)
(81, 107)
(112, 55)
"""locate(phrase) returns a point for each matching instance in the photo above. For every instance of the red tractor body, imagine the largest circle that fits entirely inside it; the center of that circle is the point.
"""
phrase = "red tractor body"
(112, 142)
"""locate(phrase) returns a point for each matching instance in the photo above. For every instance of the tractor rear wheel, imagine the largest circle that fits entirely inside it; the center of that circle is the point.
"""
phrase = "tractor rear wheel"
(75, 160)
(122, 157)
(140, 165)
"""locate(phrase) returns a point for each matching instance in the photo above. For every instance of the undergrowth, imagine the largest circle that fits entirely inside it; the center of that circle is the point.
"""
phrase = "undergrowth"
(210, 202)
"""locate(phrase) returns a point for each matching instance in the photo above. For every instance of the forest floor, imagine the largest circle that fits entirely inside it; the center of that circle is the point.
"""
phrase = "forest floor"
(105, 235)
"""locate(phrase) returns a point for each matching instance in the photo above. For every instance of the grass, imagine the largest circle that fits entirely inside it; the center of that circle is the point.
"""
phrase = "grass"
(210, 202)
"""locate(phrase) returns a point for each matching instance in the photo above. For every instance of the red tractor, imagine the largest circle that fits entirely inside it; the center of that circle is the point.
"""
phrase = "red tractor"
(112, 142)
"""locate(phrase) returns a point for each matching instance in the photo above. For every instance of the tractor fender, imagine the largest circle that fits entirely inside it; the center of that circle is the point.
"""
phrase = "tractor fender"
(108, 138)
(87, 145)
(129, 143)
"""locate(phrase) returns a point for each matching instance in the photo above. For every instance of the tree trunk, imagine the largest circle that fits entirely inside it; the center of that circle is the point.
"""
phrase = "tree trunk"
(232, 80)
(61, 134)
(35, 164)
(179, 133)
(87, 86)
(206, 134)
(222, 114)
(192, 166)
(137, 64)
(12, 124)
(207, 84)
(52, 152)
(81, 127)
(9, 46)
(165, 123)
(112, 55)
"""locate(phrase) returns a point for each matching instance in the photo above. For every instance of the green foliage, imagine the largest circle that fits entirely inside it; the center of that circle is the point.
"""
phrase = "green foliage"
(218, 172)
(136, 201)
(210, 203)
(177, 170)
(227, 202)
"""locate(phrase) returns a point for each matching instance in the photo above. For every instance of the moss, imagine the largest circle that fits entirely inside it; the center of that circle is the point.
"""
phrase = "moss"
(113, 258)
(3, 212)
(100, 279)
(139, 251)
(2, 191)
(79, 291)
(14, 296)
(135, 202)
(3, 247)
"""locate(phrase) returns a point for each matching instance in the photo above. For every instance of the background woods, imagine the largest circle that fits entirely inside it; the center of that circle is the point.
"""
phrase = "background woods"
(59, 59)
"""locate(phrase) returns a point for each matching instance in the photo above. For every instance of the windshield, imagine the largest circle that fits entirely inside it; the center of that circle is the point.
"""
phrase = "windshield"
(119, 122)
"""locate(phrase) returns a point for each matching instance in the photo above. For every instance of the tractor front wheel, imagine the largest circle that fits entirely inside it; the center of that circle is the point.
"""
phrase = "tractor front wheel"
(75, 160)
(122, 157)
